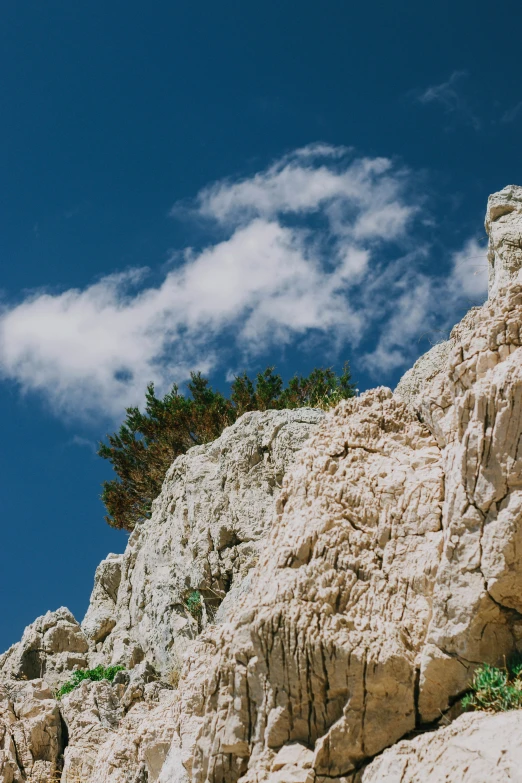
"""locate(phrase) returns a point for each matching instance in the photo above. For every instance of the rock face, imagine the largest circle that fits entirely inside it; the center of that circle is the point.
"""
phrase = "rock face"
(51, 647)
(203, 537)
(324, 649)
(320, 622)
(504, 227)
(393, 568)
(476, 748)
(101, 614)
(30, 732)
(117, 731)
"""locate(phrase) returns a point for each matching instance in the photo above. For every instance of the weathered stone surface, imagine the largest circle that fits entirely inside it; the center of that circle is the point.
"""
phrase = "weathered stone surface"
(51, 647)
(91, 712)
(413, 384)
(215, 506)
(120, 731)
(323, 650)
(504, 227)
(138, 750)
(101, 614)
(30, 732)
(476, 748)
(393, 568)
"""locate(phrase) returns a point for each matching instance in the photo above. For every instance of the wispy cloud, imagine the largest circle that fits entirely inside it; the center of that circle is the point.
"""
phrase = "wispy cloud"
(511, 114)
(84, 443)
(424, 307)
(315, 247)
(449, 95)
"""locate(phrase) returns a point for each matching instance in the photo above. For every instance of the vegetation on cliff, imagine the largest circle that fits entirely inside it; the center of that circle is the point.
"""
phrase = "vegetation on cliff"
(494, 689)
(147, 442)
(96, 674)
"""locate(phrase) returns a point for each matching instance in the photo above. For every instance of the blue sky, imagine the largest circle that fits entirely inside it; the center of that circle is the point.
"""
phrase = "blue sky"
(223, 186)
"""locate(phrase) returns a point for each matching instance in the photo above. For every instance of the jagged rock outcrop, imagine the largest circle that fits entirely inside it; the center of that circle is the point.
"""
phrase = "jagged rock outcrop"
(324, 650)
(117, 729)
(101, 614)
(392, 570)
(476, 748)
(504, 228)
(503, 225)
(348, 617)
(51, 648)
(214, 508)
(31, 739)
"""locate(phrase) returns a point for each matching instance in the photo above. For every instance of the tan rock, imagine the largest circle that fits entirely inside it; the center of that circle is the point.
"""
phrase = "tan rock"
(476, 748)
(118, 732)
(323, 650)
(51, 647)
(215, 506)
(30, 732)
(392, 569)
(504, 227)
(101, 615)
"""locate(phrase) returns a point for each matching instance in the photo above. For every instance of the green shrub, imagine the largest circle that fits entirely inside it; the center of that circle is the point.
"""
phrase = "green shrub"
(495, 690)
(194, 604)
(97, 674)
(147, 443)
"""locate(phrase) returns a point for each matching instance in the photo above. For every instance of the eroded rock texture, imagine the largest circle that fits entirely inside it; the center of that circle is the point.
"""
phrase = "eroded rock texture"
(119, 731)
(323, 650)
(51, 647)
(504, 227)
(215, 507)
(332, 626)
(31, 738)
(476, 748)
(393, 568)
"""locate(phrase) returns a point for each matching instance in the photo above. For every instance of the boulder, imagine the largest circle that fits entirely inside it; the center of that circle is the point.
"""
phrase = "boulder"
(476, 748)
(51, 647)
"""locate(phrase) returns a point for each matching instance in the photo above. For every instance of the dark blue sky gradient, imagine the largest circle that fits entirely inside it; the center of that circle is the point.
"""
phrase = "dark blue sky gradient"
(112, 111)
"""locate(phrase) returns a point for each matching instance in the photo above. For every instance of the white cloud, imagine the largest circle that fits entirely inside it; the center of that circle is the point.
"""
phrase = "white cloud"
(304, 182)
(469, 274)
(270, 282)
(448, 95)
(425, 307)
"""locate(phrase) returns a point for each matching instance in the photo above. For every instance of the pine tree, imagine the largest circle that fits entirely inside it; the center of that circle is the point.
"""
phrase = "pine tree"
(147, 443)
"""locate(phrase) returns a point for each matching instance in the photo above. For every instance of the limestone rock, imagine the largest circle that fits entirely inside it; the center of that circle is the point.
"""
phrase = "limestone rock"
(101, 615)
(138, 750)
(118, 731)
(414, 383)
(51, 647)
(393, 568)
(30, 732)
(476, 748)
(504, 227)
(323, 650)
(91, 712)
(215, 507)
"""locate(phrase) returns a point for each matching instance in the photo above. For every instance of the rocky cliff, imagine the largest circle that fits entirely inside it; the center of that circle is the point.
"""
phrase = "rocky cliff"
(353, 569)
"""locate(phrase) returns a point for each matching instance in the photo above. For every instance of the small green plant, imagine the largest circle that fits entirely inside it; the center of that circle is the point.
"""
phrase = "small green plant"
(97, 674)
(194, 604)
(495, 690)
